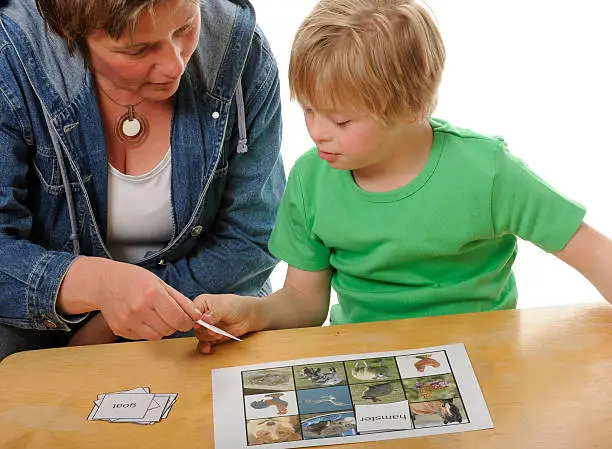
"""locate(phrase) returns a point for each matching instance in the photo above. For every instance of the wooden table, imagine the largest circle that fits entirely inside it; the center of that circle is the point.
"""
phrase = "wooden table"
(546, 375)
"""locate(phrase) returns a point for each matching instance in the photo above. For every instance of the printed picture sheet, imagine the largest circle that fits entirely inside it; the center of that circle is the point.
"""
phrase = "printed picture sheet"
(348, 399)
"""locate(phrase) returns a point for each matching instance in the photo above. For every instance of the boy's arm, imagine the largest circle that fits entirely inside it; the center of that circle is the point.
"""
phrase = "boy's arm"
(590, 253)
(303, 301)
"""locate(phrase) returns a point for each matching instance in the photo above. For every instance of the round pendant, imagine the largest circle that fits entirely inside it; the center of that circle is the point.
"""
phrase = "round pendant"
(131, 128)
(134, 131)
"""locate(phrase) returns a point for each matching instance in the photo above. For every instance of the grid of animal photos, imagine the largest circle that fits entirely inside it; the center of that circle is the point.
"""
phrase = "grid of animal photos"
(314, 402)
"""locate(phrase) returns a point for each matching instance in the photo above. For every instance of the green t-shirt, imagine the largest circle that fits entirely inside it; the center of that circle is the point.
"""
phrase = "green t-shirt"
(442, 244)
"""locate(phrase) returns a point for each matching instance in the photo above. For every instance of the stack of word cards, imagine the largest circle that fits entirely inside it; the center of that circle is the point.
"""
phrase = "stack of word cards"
(138, 406)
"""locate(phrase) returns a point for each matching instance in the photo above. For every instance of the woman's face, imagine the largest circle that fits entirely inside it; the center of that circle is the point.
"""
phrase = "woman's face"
(150, 63)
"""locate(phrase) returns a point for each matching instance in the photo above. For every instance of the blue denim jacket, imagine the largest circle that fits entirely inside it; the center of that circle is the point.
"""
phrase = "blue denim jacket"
(224, 200)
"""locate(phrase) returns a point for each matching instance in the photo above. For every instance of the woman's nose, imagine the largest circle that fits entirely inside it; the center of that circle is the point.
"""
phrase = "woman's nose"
(172, 62)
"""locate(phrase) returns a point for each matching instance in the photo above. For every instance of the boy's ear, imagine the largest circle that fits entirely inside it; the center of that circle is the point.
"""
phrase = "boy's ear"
(418, 117)
(410, 118)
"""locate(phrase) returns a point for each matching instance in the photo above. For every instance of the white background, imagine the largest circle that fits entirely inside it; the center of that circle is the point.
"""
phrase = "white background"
(538, 73)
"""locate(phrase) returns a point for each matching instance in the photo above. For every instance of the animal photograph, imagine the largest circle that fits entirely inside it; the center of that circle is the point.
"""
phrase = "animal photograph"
(319, 375)
(267, 380)
(371, 370)
(430, 388)
(428, 364)
(321, 400)
(273, 430)
(270, 405)
(329, 425)
(382, 392)
(437, 413)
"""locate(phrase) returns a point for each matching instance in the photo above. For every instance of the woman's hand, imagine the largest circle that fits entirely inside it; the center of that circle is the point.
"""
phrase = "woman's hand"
(138, 305)
(94, 332)
(135, 303)
(232, 313)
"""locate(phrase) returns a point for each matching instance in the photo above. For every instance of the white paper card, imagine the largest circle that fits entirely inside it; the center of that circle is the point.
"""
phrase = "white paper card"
(217, 330)
(381, 417)
(126, 405)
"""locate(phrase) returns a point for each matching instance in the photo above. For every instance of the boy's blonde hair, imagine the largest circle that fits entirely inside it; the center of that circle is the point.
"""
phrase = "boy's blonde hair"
(384, 57)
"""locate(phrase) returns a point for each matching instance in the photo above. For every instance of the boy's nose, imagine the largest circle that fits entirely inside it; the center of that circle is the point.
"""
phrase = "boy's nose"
(318, 132)
(320, 140)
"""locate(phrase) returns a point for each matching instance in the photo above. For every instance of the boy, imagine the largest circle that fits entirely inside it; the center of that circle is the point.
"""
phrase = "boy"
(403, 215)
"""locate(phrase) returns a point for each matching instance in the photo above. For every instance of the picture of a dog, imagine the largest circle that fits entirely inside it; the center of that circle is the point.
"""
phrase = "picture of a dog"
(273, 430)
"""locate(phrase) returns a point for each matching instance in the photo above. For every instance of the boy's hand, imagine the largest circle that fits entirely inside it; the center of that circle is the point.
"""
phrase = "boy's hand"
(94, 332)
(232, 313)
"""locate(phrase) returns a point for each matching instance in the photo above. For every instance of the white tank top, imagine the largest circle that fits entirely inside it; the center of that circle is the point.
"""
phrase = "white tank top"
(139, 212)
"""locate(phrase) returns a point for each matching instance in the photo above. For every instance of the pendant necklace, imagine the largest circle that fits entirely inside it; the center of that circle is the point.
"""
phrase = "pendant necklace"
(132, 127)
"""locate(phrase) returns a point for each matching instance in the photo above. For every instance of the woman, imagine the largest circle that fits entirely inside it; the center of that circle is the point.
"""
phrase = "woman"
(140, 165)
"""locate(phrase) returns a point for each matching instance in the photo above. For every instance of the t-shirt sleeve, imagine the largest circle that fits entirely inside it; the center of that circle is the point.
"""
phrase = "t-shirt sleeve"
(292, 238)
(524, 205)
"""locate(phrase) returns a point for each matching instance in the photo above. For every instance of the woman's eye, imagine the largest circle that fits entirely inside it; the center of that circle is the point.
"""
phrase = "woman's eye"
(141, 51)
(184, 30)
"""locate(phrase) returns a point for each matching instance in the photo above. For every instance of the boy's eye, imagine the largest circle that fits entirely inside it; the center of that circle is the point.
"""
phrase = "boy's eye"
(343, 123)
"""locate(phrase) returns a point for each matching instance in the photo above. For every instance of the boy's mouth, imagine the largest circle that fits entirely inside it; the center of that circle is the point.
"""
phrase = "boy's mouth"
(327, 156)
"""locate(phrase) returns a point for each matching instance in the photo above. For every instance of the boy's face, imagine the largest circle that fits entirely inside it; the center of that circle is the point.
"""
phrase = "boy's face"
(351, 140)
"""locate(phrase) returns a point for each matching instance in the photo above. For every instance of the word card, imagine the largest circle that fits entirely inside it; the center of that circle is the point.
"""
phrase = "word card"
(137, 406)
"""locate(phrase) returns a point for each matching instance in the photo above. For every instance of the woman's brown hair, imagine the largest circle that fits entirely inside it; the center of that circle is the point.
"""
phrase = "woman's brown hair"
(75, 20)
